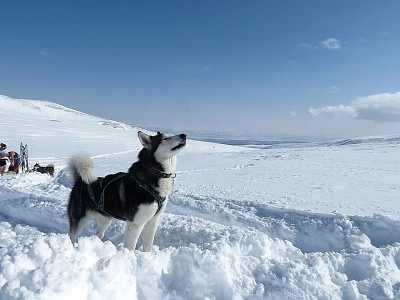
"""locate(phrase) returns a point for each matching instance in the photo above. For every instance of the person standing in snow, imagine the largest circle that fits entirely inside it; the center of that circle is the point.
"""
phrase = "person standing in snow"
(15, 161)
(3, 158)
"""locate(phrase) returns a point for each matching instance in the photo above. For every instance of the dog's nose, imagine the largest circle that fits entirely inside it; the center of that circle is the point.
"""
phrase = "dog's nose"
(182, 136)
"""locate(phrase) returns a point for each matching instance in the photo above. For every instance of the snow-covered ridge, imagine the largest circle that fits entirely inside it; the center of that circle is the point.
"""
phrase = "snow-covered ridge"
(34, 106)
(29, 118)
(393, 140)
(292, 222)
(50, 111)
(362, 140)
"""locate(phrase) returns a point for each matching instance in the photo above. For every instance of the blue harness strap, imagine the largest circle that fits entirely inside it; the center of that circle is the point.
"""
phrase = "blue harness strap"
(160, 200)
(100, 204)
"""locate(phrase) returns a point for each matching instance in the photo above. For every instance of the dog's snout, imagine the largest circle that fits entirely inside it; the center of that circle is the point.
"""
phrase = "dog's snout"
(182, 136)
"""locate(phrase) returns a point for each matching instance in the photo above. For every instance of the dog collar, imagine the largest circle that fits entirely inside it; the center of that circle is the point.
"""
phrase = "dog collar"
(158, 172)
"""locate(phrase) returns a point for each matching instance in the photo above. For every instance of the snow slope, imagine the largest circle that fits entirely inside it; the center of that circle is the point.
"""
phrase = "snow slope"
(318, 221)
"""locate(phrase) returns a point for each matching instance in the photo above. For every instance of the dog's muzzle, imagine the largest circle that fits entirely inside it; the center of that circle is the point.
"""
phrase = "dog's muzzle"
(182, 143)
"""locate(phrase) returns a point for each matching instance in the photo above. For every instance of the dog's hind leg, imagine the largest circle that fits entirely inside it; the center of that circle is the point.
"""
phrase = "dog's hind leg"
(103, 223)
(78, 216)
(76, 229)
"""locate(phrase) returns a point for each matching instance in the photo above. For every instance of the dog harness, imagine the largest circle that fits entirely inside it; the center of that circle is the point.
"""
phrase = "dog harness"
(100, 203)
(160, 200)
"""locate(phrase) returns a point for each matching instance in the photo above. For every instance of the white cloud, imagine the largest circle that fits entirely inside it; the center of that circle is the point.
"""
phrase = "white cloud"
(45, 53)
(329, 43)
(383, 107)
(361, 40)
(333, 110)
(333, 89)
(307, 46)
(332, 44)
(293, 113)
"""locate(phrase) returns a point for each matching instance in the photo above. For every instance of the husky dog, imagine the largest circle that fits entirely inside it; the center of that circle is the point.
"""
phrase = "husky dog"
(49, 169)
(137, 197)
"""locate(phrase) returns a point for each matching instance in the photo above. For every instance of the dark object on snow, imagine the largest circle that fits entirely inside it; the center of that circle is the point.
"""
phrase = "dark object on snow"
(49, 169)
(23, 152)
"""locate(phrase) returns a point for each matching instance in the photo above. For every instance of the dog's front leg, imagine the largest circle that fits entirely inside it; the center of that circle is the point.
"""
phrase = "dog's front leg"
(132, 233)
(149, 232)
(144, 214)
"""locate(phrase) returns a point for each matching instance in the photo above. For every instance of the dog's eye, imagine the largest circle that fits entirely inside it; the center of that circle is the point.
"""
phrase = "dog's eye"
(166, 138)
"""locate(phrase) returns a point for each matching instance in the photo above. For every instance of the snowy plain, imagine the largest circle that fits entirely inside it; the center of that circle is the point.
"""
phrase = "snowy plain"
(296, 221)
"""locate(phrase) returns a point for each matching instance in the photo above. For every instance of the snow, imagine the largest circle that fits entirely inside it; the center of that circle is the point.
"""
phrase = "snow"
(299, 221)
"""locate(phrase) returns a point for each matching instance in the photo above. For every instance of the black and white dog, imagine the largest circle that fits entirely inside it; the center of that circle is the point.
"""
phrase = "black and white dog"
(49, 169)
(137, 197)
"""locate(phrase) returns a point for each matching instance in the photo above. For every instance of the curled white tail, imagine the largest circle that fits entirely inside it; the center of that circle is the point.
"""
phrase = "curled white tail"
(81, 165)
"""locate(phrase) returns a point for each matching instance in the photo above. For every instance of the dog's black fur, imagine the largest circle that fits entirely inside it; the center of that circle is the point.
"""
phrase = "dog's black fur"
(81, 201)
(122, 195)
(49, 169)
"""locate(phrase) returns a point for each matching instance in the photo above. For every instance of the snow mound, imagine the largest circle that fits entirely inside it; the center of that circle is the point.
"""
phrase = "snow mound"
(63, 178)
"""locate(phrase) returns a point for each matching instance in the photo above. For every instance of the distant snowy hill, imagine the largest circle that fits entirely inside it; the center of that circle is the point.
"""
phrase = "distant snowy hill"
(366, 140)
(298, 221)
(41, 124)
(383, 140)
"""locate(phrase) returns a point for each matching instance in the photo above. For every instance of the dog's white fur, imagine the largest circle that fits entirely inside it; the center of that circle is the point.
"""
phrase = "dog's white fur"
(145, 219)
(82, 165)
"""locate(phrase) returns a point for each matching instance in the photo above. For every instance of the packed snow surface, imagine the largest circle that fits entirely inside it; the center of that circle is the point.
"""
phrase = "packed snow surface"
(302, 221)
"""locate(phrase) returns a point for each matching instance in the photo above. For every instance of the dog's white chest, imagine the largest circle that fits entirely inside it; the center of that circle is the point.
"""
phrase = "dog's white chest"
(165, 186)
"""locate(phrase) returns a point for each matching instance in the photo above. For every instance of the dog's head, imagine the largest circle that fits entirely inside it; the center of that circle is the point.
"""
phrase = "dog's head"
(161, 146)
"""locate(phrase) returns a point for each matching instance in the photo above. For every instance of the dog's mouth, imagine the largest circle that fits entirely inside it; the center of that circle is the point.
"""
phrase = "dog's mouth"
(181, 144)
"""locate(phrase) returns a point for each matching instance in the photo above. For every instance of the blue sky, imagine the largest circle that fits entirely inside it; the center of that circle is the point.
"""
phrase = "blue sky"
(279, 69)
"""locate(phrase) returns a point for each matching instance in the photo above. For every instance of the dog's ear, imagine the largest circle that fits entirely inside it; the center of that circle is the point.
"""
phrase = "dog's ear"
(144, 139)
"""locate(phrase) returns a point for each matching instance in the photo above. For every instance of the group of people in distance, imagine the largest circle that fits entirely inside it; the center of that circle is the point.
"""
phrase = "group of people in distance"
(13, 157)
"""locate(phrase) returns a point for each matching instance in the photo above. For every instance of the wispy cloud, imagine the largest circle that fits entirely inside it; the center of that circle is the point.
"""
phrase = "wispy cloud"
(307, 46)
(333, 89)
(45, 53)
(333, 110)
(332, 44)
(329, 43)
(383, 107)
(361, 40)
